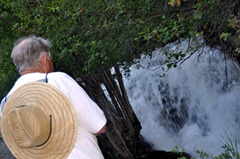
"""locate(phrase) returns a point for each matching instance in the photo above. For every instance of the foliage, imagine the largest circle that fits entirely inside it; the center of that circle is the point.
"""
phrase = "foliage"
(230, 151)
(180, 152)
(88, 35)
(7, 71)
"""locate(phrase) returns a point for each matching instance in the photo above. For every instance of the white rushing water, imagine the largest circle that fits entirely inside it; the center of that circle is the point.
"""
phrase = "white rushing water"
(195, 105)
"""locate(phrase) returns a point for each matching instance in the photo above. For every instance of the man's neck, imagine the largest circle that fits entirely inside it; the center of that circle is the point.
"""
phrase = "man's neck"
(31, 71)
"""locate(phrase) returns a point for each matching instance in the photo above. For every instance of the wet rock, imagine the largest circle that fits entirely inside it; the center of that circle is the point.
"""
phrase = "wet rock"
(158, 154)
(4, 151)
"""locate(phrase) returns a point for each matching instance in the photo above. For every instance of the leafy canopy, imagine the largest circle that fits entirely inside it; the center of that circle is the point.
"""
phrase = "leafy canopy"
(94, 34)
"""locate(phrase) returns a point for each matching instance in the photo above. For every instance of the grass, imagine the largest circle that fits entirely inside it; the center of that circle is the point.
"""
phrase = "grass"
(230, 151)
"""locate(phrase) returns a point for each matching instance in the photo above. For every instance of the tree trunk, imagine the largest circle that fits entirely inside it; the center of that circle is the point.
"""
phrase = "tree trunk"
(123, 127)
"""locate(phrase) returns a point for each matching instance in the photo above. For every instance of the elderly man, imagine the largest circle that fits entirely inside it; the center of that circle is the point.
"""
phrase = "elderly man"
(32, 58)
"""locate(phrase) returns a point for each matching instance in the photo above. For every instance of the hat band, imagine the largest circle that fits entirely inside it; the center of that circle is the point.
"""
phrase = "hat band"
(30, 126)
(49, 132)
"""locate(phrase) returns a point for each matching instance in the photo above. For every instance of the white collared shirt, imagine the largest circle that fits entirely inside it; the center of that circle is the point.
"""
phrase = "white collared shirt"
(89, 116)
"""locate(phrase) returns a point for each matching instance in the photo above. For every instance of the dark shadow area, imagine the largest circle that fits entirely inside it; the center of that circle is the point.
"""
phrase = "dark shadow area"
(4, 151)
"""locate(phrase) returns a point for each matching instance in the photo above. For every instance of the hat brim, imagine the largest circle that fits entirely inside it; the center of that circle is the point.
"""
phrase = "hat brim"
(55, 104)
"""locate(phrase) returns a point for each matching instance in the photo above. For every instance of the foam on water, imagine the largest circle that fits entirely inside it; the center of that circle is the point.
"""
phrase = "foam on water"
(195, 106)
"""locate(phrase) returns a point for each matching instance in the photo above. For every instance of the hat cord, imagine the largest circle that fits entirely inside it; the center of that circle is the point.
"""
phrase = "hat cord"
(49, 133)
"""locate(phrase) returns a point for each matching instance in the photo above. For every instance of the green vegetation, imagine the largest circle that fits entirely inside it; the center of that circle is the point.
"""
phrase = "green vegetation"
(230, 151)
(88, 35)
(91, 37)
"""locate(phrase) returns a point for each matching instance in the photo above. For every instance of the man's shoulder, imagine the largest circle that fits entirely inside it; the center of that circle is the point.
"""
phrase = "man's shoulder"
(60, 78)
(59, 75)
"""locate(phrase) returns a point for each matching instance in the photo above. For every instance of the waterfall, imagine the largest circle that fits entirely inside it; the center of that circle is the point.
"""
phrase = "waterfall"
(195, 106)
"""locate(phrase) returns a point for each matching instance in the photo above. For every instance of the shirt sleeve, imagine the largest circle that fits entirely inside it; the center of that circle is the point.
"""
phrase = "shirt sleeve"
(89, 115)
(3, 102)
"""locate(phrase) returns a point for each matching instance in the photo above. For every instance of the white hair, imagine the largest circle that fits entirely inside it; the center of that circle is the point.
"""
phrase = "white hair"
(27, 52)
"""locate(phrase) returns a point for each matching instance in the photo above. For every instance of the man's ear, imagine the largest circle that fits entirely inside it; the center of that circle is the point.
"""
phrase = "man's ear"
(44, 59)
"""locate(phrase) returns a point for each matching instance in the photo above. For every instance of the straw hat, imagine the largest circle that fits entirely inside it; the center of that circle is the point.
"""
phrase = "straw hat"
(38, 121)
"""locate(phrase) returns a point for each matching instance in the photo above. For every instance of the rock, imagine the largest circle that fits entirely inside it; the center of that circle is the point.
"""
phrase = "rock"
(158, 154)
(4, 151)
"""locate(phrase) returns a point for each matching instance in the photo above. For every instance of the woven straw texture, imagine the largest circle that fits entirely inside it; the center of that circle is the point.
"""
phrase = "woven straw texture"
(52, 102)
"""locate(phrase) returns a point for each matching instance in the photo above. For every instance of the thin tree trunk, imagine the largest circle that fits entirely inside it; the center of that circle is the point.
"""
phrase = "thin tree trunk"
(120, 131)
(133, 118)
